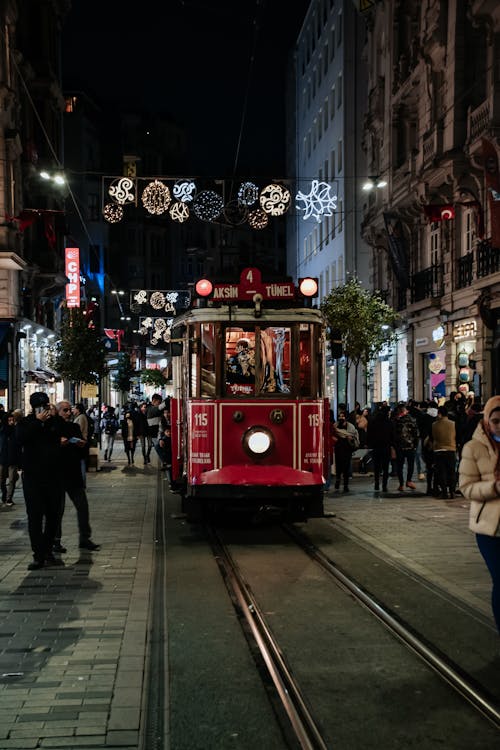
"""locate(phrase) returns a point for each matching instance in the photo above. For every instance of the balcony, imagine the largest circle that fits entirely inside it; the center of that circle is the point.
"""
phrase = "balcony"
(478, 120)
(488, 259)
(465, 272)
(427, 284)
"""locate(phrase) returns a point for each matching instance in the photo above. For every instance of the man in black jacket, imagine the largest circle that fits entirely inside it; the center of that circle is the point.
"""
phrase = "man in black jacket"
(73, 447)
(39, 437)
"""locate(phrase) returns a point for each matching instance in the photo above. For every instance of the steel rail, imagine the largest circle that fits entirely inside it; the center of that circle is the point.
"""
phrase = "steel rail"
(442, 666)
(303, 725)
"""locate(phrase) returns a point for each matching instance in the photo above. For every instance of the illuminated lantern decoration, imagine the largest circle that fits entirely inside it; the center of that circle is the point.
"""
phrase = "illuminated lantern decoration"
(318, 202)
(204, 288)
(308, 287)
(275, 199)
(179, 212)
(208, 205)
(184, 191)
(258, 219)
(112, 213)
(121, 191)
(156, 197)
(157, 300)
(248, 193)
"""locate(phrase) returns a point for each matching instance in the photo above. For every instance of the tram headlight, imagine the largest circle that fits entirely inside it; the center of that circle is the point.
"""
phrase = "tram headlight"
(258, 441)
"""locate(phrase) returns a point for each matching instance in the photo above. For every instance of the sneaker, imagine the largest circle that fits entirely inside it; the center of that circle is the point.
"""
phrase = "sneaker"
(401, 488)
(411, 485)
(36, 565)
(10, 503)
(53, 561)
(57, 547)
(421, 476)
(89, 544)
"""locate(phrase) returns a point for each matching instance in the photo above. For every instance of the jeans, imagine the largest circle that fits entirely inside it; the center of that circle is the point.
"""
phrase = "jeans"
(146, 446)
(401, 456)
(489, 547)
(107, 444)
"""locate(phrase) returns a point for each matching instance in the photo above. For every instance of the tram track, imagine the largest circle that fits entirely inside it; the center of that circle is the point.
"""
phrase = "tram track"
(441, 665)
(273, 654)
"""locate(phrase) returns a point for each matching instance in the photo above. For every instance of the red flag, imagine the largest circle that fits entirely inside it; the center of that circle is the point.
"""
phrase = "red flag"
(50, 230)
(439, 212)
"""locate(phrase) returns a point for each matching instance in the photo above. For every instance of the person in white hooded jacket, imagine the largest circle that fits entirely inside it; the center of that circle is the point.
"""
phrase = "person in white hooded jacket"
(479, 482)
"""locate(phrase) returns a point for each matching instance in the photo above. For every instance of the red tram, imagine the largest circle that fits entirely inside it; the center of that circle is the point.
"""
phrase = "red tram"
(250, 425)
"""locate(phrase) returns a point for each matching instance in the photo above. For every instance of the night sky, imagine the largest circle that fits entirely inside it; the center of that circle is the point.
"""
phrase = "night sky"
(192, 60)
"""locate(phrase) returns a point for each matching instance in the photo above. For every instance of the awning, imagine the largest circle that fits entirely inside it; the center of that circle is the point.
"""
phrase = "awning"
(42, 376)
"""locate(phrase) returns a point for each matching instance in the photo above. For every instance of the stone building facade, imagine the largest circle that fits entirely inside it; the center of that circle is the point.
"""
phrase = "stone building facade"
(432, 134)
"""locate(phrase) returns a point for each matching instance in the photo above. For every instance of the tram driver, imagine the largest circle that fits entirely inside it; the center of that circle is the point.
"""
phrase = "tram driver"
(241, 365)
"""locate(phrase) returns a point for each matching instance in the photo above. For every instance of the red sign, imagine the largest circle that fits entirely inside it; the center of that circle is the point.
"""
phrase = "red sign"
(250, 285)
(72, 270)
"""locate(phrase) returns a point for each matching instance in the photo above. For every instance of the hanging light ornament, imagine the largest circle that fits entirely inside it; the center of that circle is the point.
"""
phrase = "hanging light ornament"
(112, 213)
(121, 191)
(156, 197)
(258, 219)
(235, 214)
(248, 193)
(184, 191)
(179, 212)
(157, 300)
(275, 199)
(208, 205)
(317, 202)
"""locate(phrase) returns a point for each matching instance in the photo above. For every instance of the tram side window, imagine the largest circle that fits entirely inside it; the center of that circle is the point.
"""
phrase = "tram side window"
(208, 360)
(240, 362)
(275, 360)
(305, 359)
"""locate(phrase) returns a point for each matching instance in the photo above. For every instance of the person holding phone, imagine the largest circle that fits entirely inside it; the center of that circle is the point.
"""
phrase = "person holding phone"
(72, 451)
(39, 437)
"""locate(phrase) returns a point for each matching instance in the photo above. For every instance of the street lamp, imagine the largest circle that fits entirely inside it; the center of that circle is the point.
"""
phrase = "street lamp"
(374, 182)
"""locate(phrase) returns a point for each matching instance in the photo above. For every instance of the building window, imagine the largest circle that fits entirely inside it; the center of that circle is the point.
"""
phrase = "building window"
(325, 60)
(339, 156)
(314, 83)
(327, 280)
(332, 44)
(326, 170)
(435, 243)
(340, 225)
(305, 248)
(319, 126)
(339, 30)
(339, 91)
(332, 102)
(325, 115)
(468, 230)
(334, 273)
(340, 275)
(332, 164)
(309, 144)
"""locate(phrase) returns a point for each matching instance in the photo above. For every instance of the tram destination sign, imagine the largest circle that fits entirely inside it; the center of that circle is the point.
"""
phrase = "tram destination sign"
(251, 284)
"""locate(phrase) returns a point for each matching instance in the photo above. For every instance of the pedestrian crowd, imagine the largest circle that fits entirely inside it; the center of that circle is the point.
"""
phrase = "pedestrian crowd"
(50, 449)
(454, 445)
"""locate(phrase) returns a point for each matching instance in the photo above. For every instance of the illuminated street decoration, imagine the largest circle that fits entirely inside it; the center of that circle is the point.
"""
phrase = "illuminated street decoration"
(258, 219)
(122, 191)
(208, 205)
(112, 213)
(318, 202)
(158, 329)
(156, 197)
(184, 191)
(149, 301)
(275, 199)
(179, 212)
(248, 193)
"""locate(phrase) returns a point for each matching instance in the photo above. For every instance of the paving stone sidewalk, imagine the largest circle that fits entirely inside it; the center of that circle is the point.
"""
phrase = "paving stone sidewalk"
(73, 638)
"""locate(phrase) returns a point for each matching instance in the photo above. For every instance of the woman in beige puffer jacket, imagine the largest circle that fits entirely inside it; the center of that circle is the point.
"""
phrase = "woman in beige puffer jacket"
(480, 483)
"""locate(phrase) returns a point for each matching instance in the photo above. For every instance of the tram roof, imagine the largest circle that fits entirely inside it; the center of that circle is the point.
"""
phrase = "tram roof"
(241, 313)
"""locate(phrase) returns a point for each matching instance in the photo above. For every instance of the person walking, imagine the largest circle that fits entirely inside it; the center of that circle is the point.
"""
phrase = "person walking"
(143, 433)
(72, 446)
(109, 427)
(154, 413)
(445, 452)
(379, 436)
(12, 474)
(129, 435)
(404, 439)
(347, 443)
(39, 437)
(479, 482)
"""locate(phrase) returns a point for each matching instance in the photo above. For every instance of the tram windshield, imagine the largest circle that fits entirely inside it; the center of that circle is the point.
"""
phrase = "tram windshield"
(252, 360)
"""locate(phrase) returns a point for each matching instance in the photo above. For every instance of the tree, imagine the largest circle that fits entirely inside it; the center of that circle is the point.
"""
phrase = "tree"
(150, 376)
(123, 373)
(80, 355)
(362, 320)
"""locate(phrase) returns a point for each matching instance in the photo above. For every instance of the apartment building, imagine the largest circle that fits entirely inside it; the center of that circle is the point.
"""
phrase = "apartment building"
(432, 136)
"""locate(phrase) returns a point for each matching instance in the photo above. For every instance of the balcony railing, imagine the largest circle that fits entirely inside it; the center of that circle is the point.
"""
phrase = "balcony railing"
(488, 259)
(478, 120)
(465, 272)
(427, 283)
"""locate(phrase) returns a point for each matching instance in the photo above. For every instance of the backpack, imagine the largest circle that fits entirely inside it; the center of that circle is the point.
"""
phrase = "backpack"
(111, 425)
